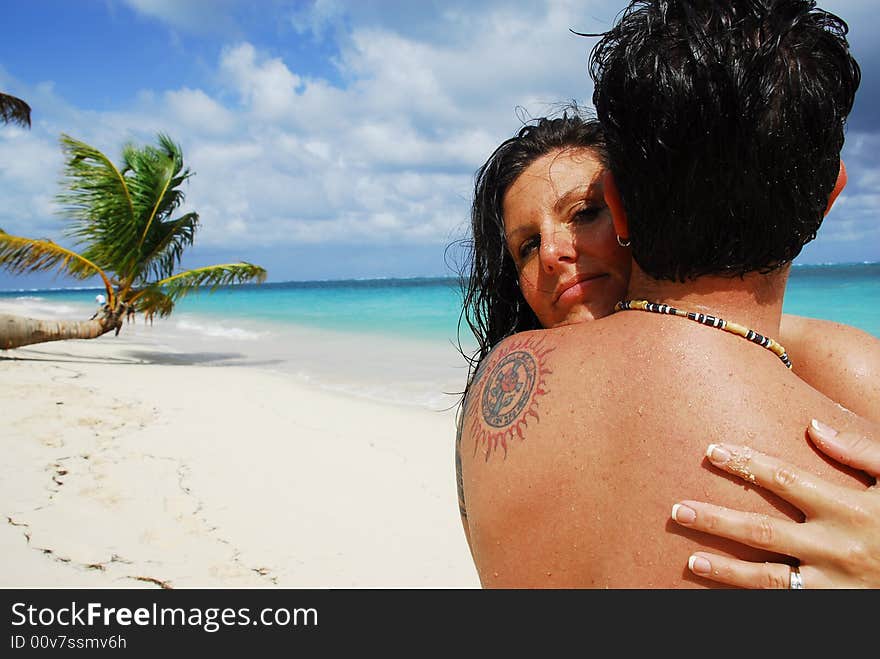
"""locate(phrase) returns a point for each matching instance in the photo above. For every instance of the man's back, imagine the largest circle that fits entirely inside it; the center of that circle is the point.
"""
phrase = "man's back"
(577, 441)
(723, 125)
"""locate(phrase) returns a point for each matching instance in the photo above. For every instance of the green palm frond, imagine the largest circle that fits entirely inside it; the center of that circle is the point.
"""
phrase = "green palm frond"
(22, 255)
(14, 111)
(123, 221)
(212, 276)
(154, 174)
(165, 245)
(153, 302)
(98, 203)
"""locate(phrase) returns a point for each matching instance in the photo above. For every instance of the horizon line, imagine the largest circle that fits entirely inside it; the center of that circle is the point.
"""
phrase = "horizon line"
(365, 279)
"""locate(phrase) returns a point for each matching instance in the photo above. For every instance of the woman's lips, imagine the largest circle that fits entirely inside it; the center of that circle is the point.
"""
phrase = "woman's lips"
(581, 289)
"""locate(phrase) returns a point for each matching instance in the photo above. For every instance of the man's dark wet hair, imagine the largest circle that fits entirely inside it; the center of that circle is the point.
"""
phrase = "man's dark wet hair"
(724, 123)
(494, 307)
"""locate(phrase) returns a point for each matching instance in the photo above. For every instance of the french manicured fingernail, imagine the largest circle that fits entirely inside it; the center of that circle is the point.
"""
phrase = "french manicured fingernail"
(683, 514)
(717, 455)
(699, 565)
(825, 431)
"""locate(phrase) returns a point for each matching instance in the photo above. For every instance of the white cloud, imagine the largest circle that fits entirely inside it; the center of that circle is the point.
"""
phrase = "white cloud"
(197, 111)
(317, 18)
(190, 15)
(266, 86)
(29, 166)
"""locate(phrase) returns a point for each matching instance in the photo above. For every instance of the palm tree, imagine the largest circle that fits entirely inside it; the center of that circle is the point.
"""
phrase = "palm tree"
(14, 110)
(121, 219)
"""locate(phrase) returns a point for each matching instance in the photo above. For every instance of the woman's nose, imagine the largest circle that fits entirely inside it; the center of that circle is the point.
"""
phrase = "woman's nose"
(557, 246)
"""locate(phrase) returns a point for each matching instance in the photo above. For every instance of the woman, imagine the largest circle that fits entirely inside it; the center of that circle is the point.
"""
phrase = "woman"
(545, 254)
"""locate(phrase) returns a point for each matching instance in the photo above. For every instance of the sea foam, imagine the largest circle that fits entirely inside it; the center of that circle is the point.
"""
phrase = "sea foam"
(217, 331)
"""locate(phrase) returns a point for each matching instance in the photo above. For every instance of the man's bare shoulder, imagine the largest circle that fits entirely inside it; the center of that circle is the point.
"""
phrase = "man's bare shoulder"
(506, 392)
(501, 398)
(512, 387)
(519, 459)
(813, 332)
(841, 361)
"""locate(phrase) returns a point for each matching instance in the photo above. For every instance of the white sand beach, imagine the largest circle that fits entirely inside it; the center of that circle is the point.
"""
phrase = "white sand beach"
(122, 469)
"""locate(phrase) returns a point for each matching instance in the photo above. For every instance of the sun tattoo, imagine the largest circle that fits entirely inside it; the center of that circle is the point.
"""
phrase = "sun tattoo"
(508, 393)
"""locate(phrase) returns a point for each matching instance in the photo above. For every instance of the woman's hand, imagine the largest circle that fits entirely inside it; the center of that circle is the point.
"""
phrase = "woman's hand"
(839, 543)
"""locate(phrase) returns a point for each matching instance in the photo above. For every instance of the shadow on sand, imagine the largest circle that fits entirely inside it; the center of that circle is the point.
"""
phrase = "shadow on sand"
(142, 357)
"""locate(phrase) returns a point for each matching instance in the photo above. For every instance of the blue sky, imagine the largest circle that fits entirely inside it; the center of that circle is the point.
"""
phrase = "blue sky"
(332, 138)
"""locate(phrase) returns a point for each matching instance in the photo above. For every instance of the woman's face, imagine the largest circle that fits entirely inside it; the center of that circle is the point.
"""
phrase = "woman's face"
(560, 235)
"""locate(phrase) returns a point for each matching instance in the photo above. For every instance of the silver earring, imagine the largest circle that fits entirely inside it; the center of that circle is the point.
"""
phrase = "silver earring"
(622, 242)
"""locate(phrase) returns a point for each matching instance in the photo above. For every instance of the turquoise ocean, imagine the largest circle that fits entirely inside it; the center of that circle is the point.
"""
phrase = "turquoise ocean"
(391, 339)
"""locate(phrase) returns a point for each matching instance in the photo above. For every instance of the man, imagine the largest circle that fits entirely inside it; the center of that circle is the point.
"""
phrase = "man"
(724, 123)
(100, 300)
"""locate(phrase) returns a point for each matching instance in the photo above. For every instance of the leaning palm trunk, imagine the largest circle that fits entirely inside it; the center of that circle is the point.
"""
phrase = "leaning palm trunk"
(122, 218)
(18, 331)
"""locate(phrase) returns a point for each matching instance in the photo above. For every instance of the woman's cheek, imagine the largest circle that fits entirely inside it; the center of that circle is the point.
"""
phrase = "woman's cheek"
(537, 300)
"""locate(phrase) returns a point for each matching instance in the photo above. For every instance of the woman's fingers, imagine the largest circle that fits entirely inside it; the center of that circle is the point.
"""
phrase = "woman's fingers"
(800, 488)
(752, 529)
(749, 575)
(847, 447)
(839, 544)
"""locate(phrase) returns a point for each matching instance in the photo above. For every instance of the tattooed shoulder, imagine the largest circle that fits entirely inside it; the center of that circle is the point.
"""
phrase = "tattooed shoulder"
(504, 396)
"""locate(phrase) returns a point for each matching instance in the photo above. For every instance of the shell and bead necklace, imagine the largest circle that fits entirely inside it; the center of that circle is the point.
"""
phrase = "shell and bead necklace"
(712, 321)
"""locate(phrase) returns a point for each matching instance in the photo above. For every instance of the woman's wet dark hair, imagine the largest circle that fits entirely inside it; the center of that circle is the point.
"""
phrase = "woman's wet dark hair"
(494, 307)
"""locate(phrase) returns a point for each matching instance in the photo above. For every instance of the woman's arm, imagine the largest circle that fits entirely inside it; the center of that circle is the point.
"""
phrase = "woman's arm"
(839, 543)
(840, 361)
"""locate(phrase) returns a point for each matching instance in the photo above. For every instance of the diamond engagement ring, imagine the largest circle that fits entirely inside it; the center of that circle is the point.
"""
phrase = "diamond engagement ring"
(795, 582)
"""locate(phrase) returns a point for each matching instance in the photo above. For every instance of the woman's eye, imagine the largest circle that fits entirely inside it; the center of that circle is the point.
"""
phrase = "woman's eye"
(588, 213)
(529, 246)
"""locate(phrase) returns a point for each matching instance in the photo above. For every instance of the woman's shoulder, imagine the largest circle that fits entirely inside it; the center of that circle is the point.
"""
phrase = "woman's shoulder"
(841, 361)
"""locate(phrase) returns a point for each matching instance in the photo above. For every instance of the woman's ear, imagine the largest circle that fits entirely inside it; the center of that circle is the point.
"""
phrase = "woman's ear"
(839, 185)
(615, 206)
